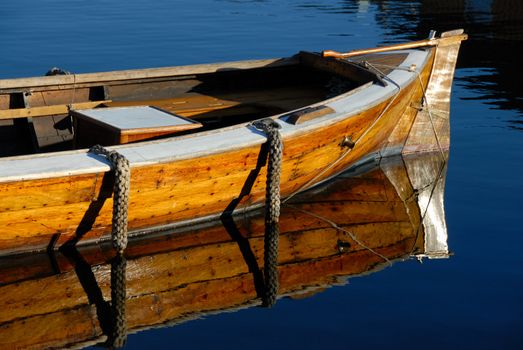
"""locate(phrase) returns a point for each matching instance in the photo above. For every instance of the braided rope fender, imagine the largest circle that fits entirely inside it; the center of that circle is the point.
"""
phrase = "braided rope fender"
(122, 179)
(122, 184)
(272, 208)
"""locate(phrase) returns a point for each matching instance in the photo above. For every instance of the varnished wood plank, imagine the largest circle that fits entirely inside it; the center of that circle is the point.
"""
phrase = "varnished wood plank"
(138, 73)
(4, 101)
(57, 97)
(308, 114)
(49, 192)
(207, 187)
(44, 111)
(348, 201)
(50, 331)
(183, 189)
(431, 128)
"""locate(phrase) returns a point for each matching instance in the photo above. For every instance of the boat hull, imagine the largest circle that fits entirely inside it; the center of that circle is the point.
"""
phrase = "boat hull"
(48, 200)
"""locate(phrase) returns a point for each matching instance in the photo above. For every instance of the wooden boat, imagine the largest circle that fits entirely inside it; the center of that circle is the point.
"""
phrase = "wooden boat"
(354, 225)
(334, 110)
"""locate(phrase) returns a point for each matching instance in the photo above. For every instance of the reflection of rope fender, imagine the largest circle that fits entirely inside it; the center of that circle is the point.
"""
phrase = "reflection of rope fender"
(272, 208)
(122, 179)
(118, 336)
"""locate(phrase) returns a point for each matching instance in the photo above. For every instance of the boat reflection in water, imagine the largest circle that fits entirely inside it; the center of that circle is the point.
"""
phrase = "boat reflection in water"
(377, 213)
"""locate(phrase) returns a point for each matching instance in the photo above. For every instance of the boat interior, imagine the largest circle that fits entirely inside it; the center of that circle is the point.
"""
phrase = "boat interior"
(35, 119)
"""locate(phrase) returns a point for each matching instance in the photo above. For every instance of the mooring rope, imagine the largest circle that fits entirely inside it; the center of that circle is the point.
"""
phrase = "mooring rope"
(272, 208)
(122, 179)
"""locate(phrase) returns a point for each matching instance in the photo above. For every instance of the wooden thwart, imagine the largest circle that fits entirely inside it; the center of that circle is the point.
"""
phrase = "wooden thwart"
(46, 111)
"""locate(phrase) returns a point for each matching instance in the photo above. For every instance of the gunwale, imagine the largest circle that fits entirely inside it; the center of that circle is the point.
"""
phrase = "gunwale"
(70, 163)
(84, 79)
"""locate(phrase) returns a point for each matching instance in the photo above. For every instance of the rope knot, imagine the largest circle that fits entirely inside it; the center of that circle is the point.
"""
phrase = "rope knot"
(57, 71)
(266, 125)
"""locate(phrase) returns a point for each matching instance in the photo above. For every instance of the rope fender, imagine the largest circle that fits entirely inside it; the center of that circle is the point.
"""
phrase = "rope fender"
(272, 208)
(122, 179)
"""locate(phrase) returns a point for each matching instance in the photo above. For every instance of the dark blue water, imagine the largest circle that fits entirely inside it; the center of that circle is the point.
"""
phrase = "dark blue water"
(472, 300)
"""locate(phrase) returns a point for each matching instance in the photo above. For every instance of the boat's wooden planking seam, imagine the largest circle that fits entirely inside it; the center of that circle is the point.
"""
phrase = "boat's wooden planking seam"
(198, 171)
(370, 201)
(160, 192)
(181, 190)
